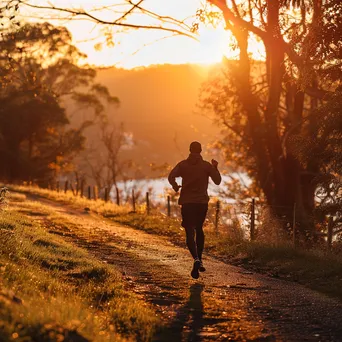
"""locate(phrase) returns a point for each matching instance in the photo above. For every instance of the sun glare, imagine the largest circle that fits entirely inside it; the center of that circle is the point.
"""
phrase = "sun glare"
(213, 45)
(145, 47)
(141, 48)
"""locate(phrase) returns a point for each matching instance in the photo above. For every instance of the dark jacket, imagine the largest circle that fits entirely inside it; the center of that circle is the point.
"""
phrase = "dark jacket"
(195, 173)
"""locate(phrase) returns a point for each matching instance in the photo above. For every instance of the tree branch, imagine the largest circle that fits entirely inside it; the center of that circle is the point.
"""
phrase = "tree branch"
(265, 36)
(134, 6)
(238, 21)
(318, 93)
(117, 22)
(168, 19)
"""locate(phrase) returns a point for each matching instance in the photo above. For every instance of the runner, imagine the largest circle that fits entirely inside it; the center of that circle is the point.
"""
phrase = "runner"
(195, 173)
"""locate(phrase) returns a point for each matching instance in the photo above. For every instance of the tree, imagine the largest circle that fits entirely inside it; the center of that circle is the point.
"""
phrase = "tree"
(38, 75)
(324, 143)
(104, 158)
(262, 105)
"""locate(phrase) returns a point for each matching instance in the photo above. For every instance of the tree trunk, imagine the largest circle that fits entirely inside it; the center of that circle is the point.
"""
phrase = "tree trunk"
(280, 176)
(254, 122)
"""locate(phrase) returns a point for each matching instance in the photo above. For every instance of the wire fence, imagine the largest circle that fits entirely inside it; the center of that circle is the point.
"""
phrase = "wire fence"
(252, 220)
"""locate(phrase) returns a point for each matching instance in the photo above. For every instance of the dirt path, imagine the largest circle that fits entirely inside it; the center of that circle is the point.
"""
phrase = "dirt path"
(226, 303)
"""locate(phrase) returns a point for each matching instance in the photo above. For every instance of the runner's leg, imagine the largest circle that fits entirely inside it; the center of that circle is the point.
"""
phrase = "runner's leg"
(201, 214)
(189, 223)
(199, 241)
(190, 220)
(190, 241)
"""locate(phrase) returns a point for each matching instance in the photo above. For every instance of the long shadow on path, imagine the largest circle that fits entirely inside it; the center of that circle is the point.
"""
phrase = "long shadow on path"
(188, 322)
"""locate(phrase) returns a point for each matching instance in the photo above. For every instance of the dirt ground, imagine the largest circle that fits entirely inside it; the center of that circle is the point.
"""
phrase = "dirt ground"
(226, 303)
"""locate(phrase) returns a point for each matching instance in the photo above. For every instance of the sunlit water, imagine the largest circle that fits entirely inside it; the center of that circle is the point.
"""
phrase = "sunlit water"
(158, 188)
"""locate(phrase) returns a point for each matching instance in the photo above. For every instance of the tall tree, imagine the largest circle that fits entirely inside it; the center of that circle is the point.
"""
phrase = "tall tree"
(39, 74)
(263, 104)
(324, 144)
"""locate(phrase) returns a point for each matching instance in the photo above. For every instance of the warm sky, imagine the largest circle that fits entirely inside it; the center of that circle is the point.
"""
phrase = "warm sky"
(135, 48)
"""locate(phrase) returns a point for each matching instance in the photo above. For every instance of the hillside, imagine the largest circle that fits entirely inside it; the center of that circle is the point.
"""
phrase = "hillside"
(157, 105)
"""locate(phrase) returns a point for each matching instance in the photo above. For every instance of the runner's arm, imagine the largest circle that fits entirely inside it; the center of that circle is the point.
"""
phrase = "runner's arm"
(175, 172)
(215, 175)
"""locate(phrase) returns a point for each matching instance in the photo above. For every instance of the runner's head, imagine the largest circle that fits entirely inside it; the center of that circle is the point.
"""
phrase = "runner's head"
(195, 147)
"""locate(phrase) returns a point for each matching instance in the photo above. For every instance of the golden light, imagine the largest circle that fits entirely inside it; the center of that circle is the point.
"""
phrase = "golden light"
(136, 48)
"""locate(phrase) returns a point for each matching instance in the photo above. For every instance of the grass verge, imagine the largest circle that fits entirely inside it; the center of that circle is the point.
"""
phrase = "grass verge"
(317, 269)
(51, 290)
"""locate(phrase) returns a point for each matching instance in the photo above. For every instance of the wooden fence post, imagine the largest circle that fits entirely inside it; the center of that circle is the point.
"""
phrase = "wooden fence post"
(133, 200)
(168, 206)
(147, 203)
(72, 189)
(95, 192)
(217, 216)
(117, 195)
(252, 234)
(89, 192)
(106, 195)
(57, 186)
(66, 186)
(330, 232)
(82, 188)
(294, 225)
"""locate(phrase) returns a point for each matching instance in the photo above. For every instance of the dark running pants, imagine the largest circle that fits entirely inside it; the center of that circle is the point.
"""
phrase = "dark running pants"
(193, 216)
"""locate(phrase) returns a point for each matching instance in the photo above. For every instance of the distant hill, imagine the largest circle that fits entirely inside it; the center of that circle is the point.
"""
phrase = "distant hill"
(157, 105)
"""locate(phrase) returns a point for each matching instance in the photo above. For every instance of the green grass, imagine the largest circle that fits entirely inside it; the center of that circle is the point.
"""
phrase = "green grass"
(52, 290)
(316, 268)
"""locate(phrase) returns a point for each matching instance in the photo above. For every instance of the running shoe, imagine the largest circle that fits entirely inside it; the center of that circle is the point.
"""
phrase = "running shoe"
(195, 269)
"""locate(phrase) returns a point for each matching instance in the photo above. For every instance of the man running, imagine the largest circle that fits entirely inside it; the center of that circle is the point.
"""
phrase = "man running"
(195, 173)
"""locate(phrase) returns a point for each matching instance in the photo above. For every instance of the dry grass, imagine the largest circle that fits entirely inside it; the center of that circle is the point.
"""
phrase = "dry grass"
(97, 206)
(54, 291)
